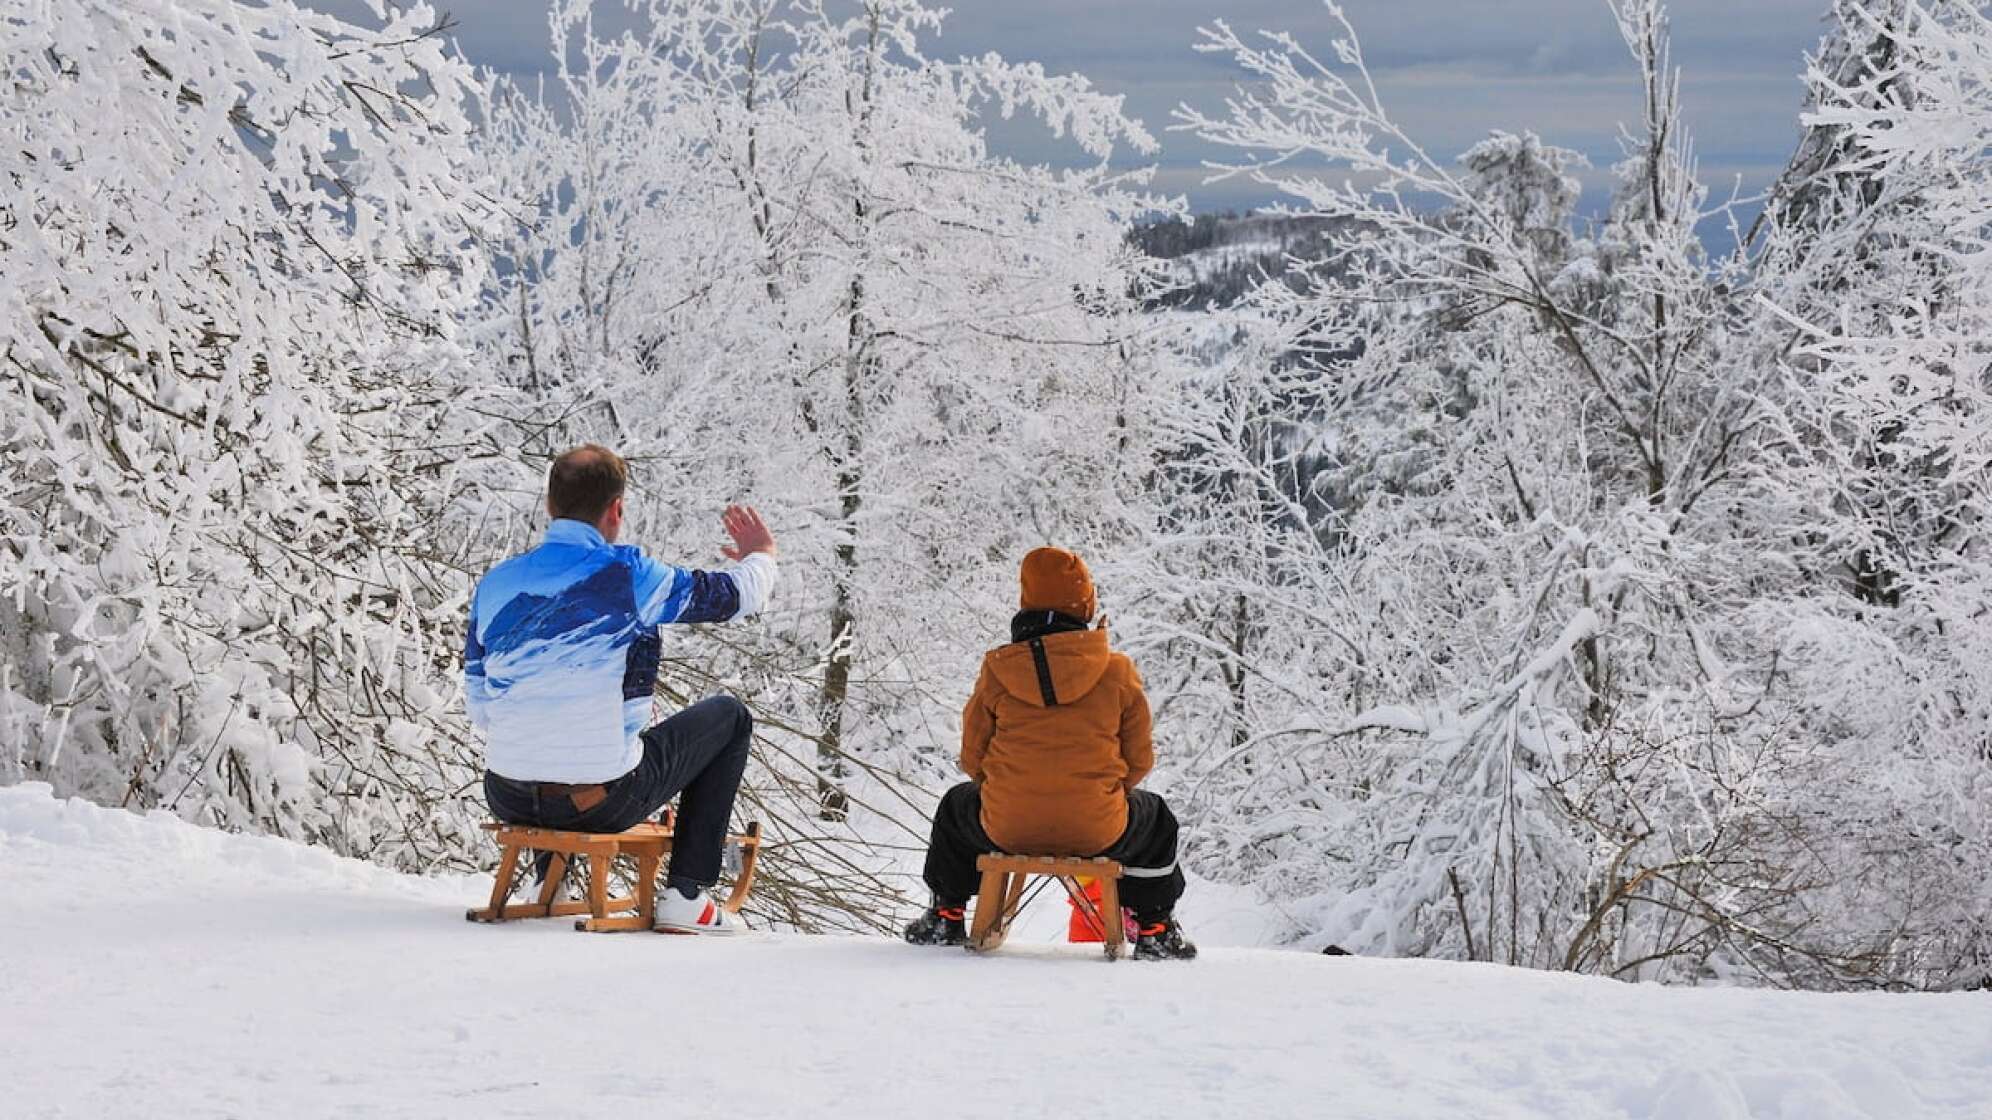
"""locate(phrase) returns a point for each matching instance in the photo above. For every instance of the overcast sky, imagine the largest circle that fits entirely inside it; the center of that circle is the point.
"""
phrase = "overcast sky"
(1450, 70)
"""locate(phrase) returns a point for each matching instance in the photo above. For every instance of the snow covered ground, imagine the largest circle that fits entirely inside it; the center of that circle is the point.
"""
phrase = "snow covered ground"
(154, 968)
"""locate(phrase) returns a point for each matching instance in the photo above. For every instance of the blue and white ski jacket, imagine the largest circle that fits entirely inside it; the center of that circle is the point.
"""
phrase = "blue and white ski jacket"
(561, 655)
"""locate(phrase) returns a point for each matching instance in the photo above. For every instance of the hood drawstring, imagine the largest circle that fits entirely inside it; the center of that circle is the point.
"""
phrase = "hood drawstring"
(1043, 673)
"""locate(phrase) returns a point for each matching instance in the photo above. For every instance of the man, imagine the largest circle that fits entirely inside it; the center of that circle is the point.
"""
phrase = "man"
(560, 661)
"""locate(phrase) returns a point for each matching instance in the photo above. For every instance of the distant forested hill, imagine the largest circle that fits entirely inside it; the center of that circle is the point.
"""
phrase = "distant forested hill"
(1220, 257)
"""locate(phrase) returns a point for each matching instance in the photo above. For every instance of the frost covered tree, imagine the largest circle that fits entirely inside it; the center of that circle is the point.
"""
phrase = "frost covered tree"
(231, 254)
(1573, 737)
(1514, 580)
(766, 250)
(1880, 269)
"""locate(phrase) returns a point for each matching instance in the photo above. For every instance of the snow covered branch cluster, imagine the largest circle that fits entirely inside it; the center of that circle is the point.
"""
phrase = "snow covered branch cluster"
(297, 313)
(233, 251)
(765, 251)
(1652, 623)
(1514, 581)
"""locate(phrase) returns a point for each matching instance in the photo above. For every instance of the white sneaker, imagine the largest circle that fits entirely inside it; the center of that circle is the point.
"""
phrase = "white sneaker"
(697, 914)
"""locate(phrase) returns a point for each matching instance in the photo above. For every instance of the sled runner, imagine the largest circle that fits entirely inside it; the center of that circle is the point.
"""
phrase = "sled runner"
(647, 844)
(1006, 890)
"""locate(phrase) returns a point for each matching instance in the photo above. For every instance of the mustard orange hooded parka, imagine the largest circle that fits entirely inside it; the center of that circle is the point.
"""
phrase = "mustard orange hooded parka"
(1058, 728)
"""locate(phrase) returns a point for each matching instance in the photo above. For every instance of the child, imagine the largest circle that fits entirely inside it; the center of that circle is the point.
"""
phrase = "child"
(1054, 740)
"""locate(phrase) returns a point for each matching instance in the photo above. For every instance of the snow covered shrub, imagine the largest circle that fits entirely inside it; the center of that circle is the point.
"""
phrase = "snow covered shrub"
(1584, 507)
(230, 260)
(1510, 585)
(1885, 281)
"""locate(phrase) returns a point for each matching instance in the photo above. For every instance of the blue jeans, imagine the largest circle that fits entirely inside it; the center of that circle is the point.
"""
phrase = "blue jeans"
(697, 756)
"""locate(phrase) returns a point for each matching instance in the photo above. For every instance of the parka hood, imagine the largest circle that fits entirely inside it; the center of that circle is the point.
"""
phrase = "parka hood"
(1076, 661)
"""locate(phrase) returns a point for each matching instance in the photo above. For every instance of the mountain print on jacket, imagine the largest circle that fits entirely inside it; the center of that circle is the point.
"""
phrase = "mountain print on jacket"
(562, 651)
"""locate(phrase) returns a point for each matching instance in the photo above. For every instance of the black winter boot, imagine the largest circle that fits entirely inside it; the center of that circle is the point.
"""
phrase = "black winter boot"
(940, 925)
(1163, 940)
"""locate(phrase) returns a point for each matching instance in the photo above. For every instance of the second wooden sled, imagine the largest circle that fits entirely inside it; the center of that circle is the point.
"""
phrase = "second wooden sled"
(647, 844)
(1002, 897)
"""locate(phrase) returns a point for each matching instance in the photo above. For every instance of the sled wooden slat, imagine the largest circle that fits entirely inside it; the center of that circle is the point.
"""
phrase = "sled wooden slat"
(565, 908)
(648, 844)
(599, 862)
(1001, 898)
(750, 854)
(555, 873)
(501, 889)
(1114, 929)
(648, 830)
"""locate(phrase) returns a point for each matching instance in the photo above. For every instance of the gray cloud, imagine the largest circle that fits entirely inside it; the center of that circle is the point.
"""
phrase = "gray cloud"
(1450, 70)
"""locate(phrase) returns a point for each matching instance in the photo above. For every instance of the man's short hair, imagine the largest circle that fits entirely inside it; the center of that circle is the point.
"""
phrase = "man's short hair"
(585, 482)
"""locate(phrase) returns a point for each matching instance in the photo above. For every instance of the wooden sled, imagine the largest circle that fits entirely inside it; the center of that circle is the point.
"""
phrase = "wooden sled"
(1002, 897)
(648, 844)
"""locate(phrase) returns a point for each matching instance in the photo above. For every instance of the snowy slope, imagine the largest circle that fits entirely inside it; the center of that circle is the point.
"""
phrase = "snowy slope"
(153, 968)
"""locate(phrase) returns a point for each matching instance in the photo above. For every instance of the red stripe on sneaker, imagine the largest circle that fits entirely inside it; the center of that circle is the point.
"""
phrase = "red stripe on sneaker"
(706, 916)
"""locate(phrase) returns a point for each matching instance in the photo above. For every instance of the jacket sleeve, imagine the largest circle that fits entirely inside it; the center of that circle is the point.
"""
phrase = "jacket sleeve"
(978, 725)
(476, 688)
(667, 594)
(1137, 742)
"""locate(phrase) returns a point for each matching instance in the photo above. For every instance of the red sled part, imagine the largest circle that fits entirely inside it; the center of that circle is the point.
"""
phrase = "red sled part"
(1084, 926)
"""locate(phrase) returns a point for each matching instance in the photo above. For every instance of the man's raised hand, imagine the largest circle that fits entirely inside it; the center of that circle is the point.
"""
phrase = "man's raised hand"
(750, 534)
